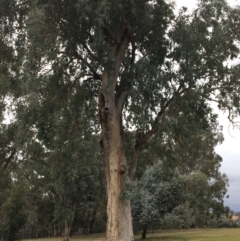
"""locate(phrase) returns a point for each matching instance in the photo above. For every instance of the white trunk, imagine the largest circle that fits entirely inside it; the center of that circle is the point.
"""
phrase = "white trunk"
(66, 231)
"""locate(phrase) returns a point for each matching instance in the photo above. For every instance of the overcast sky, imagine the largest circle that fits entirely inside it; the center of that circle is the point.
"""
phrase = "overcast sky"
(230, 149)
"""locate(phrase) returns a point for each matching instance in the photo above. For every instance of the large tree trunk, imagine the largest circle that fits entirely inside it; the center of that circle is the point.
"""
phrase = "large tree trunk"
(119, 219)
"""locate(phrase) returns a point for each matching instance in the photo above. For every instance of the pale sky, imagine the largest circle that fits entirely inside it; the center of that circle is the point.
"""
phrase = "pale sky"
(230, 149)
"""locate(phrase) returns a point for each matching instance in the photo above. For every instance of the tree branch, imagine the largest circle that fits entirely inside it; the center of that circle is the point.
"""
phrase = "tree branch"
(89, 52)
(229, 109)
(110, 35)
(133, 166)
(145, 137)
(75, 55)
(121, 99)
(8, 160)
(155, 126)
(78, 56)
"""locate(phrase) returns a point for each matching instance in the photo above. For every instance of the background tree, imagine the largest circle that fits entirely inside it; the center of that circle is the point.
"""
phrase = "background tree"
(182, 216)
(164, 198)
(154, 195)
(16, 215)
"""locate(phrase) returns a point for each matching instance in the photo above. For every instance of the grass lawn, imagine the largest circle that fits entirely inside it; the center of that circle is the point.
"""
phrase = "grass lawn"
(196, 235)
(180, 235)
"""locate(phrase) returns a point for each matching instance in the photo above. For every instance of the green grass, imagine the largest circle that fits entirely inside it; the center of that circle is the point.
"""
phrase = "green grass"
(180, 235)
(197, 235)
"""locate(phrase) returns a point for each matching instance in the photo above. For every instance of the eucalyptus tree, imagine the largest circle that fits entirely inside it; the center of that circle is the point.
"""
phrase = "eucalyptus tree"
(165, 198)
(125, 61)
(68, 176)
(14, 212)
(182, 216)
(156, 194)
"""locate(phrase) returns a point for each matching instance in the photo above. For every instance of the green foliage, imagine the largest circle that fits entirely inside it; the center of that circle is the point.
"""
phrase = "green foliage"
(182, 216)
(15, 208)
(156, 194)
(53, 55)
(171, 200)
(227, 223)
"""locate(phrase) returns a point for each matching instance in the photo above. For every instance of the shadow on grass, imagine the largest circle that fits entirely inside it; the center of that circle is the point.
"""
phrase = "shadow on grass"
(166, 238)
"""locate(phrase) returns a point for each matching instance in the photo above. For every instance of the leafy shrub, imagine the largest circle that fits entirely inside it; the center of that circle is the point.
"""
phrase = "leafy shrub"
(181, 217)
(227, 223)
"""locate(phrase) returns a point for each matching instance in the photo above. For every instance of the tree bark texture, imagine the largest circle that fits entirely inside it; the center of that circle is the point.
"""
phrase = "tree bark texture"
(119, 220)
(111, 100)
(88, 226)
(68, 225)
(66, 231)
